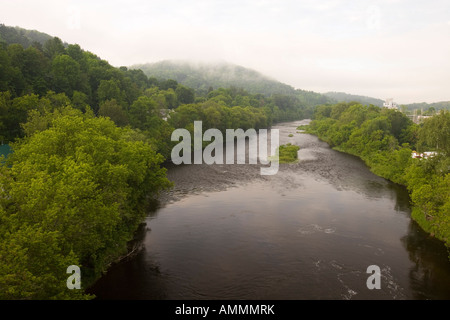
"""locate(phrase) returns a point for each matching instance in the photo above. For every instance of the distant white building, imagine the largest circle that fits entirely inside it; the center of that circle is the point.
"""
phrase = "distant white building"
(424, 155)
(390, 104)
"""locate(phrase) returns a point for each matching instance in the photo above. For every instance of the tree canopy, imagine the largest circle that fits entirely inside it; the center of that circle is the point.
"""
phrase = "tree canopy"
(74, 194)
(88, 142)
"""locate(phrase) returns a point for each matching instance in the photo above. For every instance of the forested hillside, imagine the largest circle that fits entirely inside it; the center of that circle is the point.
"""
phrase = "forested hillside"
(411, 108)
(428, 108)
(346, 97)
(206, 76)
(54, 75)
(88, 142)
(203, 76)
(22, 36)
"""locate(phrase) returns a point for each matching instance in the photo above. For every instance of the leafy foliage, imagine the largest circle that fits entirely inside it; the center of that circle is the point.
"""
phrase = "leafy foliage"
(385, 139)
(88, 142)
(288, 153)
(204, 77)
(73, 194)
(25, 38)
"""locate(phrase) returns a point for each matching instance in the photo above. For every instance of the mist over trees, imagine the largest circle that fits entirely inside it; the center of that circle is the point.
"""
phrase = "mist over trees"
(55, 75)
(88, 143)
(22, 36)
(346, 97)
(428, 108)
(204, 76)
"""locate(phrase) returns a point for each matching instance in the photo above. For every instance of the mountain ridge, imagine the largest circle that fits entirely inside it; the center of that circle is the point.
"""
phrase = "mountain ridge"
(22, 36)
(202, 75)
(348, 97)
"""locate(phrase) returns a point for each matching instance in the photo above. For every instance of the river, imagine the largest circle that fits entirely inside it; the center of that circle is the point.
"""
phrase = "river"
(308, 232)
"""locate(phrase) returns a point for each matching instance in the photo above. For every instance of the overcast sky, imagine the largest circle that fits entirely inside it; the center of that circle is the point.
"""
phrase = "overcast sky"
(385, 49)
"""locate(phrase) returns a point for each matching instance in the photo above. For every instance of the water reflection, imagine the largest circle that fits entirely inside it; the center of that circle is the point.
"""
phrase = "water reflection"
(429, 276)
(308, 232)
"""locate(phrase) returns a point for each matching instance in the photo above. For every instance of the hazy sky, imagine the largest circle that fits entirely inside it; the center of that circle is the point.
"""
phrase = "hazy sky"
(383, 49)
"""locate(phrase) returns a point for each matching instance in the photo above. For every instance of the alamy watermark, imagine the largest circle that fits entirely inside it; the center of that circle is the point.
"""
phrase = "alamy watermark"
(373, 281)
(373, 20)
(213, 153)
(73, 21)
(74, 281)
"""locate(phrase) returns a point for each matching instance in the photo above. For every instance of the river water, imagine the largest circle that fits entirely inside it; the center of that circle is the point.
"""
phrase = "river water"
(308, 232)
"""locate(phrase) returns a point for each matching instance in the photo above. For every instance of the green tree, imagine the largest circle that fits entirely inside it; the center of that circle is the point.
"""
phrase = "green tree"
(108, 90)
(35, 70)
(76, 53)
(73, 193)
(16, 54)
(185, 95)
(54, 47)
(141, 111)
(112, 110)
(399, 123)
(5, 69)
(66, 73)
(17, 110)
(168, 84)
(435, 132)
(80, 100)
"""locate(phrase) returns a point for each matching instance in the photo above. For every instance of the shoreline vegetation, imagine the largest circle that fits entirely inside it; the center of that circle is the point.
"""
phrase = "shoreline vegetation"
(288, 153)
(385, 140)
(88, 144)
(89, 141)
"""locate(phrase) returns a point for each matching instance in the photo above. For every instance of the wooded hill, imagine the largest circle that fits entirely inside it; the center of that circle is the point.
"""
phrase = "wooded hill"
(21, 36)
(430, 107)
(346, 97)
(88, 141)
(203, 77)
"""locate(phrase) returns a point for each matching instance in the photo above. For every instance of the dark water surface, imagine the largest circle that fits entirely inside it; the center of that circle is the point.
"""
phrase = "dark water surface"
(308, 232)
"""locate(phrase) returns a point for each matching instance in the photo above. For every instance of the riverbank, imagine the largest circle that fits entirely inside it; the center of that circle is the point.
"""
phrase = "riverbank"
(417, 214)
(307, 232)
(381, 138)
